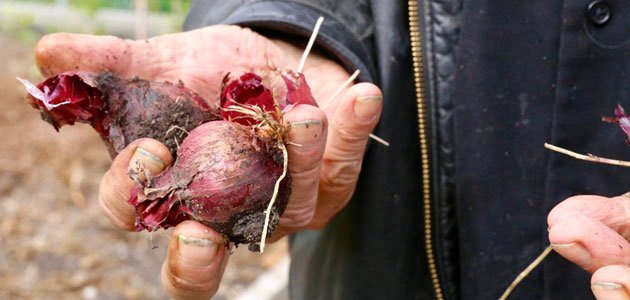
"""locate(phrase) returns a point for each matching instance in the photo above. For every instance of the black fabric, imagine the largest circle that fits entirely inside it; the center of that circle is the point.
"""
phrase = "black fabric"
(501, 79)
(593, 75)
(442, 23)
(504, 96)
(349, 44)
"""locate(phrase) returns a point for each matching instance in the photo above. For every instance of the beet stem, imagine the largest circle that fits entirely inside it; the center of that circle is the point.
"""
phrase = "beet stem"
(309, 46)
(526, 272)
(379, 139)
(285, 158)
(346, 83)
(588, 157)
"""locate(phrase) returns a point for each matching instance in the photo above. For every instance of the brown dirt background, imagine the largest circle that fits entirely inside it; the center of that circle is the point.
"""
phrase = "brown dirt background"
(54, 242)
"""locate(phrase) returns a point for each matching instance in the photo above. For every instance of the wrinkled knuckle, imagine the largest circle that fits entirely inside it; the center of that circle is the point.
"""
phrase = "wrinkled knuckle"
(113, 218)
(108, 195)
(352, 136)
(297, 217)
(180, 280)
(181, 283)
(304, 170)
(340, 173)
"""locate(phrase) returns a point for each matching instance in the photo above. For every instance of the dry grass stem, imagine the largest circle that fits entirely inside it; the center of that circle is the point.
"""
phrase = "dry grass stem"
(379, 139)
(526, 272)
(309, 46)
(285, 158)
(588, 157)
(345, 84)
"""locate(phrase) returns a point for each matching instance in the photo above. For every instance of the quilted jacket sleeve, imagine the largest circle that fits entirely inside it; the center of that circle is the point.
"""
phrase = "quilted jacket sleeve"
(346, 32)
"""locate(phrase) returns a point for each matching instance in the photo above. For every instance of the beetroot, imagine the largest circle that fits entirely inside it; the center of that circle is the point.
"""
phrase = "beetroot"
(230, 166)
(121, 110)
(229, 174)
(221, 168)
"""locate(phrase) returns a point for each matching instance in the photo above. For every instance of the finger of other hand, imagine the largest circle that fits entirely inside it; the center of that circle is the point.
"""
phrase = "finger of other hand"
(589, 243)
(611, 282)
(197, 257)
(114, 189)
(355, 116)
(613, 212)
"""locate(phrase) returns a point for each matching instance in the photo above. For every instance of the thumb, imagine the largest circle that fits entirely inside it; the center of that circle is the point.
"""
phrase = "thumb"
(113, 192)
(611, 282)
(197, 257)
(62, 52)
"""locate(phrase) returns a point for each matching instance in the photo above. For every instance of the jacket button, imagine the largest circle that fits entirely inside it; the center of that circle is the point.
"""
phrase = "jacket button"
(598, 12)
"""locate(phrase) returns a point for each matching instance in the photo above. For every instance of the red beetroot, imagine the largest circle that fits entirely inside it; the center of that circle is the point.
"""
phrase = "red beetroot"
(121, 110)
(225, 171)
(223, 177)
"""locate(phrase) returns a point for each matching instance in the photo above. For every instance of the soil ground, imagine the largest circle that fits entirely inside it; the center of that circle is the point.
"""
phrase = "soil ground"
(54, 242)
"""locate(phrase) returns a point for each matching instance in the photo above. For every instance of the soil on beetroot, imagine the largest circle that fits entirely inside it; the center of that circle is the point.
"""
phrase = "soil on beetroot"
(54, 242)
(171, 128)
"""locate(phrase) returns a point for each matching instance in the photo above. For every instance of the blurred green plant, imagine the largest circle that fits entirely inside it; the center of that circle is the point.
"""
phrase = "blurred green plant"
(21, 24)
(162, 6)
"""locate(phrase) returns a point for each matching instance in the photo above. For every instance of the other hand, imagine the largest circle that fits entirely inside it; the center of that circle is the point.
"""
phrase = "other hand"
(593, 232)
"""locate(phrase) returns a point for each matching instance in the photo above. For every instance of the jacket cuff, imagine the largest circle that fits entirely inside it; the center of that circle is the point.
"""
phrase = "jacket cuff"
(299, 19)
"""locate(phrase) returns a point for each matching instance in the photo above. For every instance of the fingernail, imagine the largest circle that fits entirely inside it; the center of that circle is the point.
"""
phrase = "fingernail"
(307, 132)
(600, 285)
(609, 291)
(196, 252)
(365, 107)
(575, 252)
(146, 160)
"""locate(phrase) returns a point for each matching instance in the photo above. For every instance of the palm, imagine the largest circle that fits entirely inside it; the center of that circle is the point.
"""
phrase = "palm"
(200, 58)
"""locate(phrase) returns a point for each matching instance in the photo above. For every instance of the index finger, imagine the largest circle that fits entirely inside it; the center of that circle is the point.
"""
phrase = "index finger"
(591, 231)
(613, 212)
(62, 52)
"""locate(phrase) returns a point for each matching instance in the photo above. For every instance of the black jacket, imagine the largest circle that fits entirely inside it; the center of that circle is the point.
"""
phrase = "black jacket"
(500, 78)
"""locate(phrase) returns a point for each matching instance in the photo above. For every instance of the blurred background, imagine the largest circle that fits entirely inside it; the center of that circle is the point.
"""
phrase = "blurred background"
(54, 243)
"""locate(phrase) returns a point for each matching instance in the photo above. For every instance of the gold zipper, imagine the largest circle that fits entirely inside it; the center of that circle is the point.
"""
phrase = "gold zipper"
(416, 54)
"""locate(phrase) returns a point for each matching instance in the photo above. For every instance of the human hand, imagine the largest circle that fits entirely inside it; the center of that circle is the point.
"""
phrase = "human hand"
(593, 232)
(324, 168)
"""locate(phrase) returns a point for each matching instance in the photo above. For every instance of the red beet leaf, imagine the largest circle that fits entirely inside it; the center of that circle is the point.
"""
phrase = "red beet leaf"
(298, 91)
(246, 90)
(66, 98)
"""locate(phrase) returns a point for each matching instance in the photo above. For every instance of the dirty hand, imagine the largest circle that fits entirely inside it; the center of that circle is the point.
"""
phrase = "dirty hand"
(324, 169)
(593, 232)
